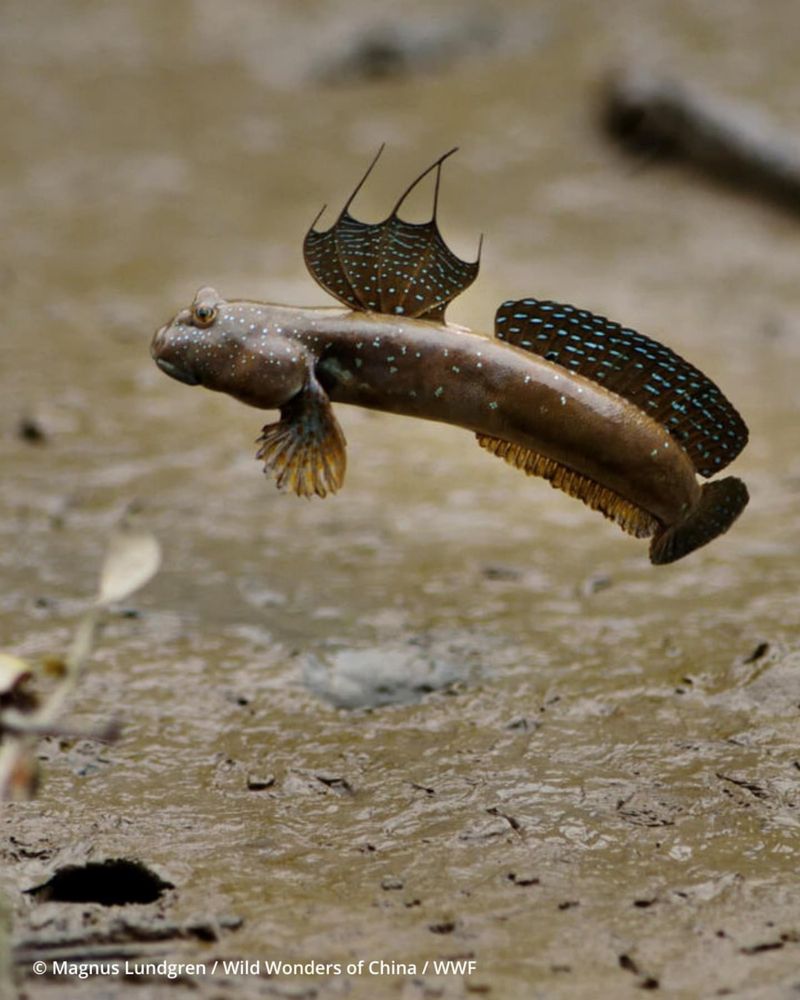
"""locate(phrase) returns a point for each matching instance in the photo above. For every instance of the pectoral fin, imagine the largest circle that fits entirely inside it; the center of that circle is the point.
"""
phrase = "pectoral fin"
(305, 451)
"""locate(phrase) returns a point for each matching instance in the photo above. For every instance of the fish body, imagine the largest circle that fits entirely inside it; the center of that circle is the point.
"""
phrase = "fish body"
(261, 353)
(601, 411)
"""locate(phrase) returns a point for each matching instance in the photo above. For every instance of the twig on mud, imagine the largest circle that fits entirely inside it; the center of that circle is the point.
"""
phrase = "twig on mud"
(664, 118)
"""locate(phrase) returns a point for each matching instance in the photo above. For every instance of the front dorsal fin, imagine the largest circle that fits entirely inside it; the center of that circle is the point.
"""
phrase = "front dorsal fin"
(646, 373)
(395, 267)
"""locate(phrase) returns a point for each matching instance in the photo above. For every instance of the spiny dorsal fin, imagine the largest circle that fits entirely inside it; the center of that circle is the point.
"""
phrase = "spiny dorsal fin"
(396, 267)
(657, 380)
(627, 515)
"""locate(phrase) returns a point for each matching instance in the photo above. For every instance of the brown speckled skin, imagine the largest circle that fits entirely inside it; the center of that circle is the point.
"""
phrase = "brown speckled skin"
(261, 354)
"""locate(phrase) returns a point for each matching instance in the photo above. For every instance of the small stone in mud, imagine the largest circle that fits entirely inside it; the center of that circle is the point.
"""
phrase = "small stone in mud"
(512, 821)
(753, 787)
(523, 723)
(389, 882)
(485, 830)
(761, 649)
(526, 878)
(445, 927)
(203, 930)
(386, 51)
(29, 429)
(257, 783)
(237, 698)
(336, 782)
(594, 584)
(499, 572)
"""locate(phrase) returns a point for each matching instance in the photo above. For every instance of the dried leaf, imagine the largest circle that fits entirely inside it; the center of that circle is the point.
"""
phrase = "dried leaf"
(13, 670)
(19, 772)
(132, 558)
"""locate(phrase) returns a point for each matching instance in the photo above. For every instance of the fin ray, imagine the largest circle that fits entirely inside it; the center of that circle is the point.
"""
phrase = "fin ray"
(632, 519)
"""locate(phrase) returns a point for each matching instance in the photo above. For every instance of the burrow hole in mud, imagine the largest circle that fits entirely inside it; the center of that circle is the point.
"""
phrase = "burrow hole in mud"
(114, 882)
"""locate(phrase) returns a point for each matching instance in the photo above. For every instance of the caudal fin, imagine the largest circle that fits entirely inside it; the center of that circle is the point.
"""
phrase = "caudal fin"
(721, 502)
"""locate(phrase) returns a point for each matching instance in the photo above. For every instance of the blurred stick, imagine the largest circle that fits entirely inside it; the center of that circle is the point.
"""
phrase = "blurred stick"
(6, 981)
(132, 558)
(662, 118)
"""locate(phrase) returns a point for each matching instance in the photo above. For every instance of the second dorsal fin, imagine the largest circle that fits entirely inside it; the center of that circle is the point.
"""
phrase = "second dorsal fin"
(646, 373)
(395, 267)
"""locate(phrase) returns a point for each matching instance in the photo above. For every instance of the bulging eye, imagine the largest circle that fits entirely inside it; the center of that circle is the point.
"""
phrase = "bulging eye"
(203, 314)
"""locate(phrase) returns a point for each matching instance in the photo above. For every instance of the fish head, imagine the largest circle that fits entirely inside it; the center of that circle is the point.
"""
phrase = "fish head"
(237, 347)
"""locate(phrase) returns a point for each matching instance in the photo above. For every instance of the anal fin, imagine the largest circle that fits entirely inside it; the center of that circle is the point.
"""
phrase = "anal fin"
(627, 515)
(306, 450)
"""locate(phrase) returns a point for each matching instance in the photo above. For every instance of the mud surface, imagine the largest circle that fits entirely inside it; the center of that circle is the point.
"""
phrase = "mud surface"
(449, 713)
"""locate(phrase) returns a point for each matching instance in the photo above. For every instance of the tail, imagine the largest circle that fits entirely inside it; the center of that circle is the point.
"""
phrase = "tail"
(721, 502)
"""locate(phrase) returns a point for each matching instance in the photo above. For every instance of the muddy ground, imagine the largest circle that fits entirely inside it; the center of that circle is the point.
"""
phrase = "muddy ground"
(449, 713)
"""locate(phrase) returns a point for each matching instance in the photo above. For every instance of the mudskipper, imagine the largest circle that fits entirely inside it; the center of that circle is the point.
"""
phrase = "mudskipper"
(602, 412)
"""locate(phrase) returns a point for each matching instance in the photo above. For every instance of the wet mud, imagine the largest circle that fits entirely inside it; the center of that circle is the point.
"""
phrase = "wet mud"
(449, 713)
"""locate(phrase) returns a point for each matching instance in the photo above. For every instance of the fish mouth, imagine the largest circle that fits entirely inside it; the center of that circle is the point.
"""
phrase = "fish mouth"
(177, 373)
